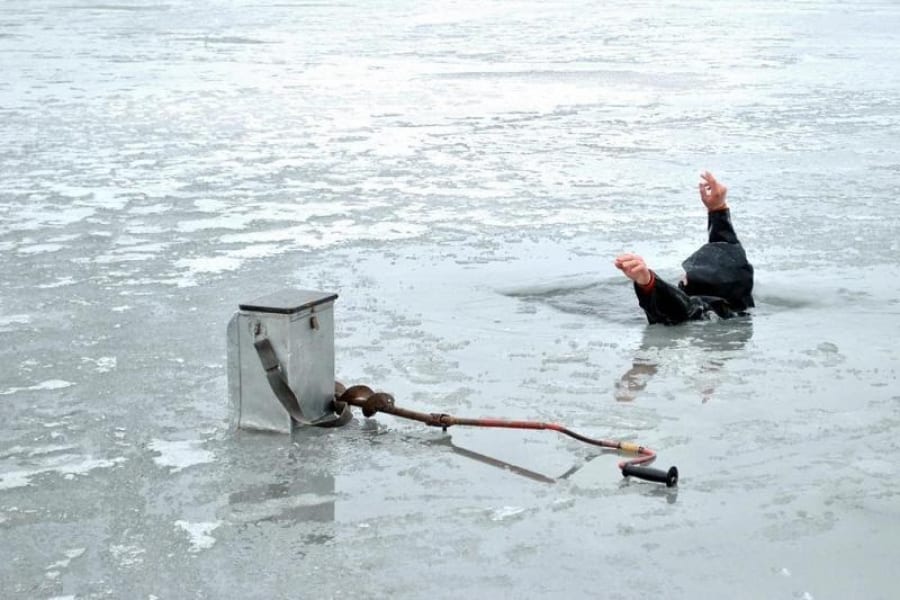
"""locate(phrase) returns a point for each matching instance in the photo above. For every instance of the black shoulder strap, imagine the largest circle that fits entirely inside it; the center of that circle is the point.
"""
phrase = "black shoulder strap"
(275, 375)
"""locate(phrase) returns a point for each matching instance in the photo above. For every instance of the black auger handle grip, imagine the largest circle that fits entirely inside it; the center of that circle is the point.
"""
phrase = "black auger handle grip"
(670, 477)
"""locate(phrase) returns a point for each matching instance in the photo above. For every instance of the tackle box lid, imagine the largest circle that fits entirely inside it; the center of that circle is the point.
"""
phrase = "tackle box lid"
(288, 301)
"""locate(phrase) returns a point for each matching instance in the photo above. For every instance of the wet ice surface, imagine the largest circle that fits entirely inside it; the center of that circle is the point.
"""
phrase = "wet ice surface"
(462, 176)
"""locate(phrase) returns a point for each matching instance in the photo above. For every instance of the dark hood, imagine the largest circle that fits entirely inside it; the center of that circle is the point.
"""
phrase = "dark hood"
(720, 269)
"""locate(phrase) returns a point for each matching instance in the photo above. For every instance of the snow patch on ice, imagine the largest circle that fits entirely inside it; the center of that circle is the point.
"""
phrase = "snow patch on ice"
(127, 556)
(50, 384)
(209, 264)
(17, 319)
(40, 248)
(199, 533)
(70, 555)
(104, 364)
(61, 282)
(67, 465)
(181, 454)
(506, 512)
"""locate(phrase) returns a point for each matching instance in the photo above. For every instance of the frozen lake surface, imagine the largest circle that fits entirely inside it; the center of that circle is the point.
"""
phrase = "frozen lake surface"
(462, 175)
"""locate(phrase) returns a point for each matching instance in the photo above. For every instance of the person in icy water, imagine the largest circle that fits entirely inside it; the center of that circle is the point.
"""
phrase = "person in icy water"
(718, 278)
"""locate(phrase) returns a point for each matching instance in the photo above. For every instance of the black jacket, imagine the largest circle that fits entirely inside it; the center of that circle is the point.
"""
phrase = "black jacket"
(719, 280)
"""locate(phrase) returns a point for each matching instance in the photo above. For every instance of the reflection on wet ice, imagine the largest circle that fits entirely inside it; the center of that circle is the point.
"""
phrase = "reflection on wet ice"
(308, 498)
(708, 345)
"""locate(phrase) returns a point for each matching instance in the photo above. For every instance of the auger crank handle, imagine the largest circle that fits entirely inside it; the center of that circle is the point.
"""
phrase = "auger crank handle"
(670, 477)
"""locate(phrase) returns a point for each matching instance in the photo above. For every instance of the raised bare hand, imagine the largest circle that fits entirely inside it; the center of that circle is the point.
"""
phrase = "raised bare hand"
(712, 193)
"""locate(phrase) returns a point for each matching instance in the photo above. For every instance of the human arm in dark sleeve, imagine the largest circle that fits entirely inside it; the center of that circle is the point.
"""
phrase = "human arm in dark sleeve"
(664, 303)
(720, 227)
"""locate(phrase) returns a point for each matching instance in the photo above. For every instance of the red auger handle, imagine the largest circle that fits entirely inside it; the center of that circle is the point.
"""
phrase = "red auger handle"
(670, 477)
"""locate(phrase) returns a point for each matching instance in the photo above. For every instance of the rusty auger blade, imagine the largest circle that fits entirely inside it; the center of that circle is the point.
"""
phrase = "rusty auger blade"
(371, 403)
